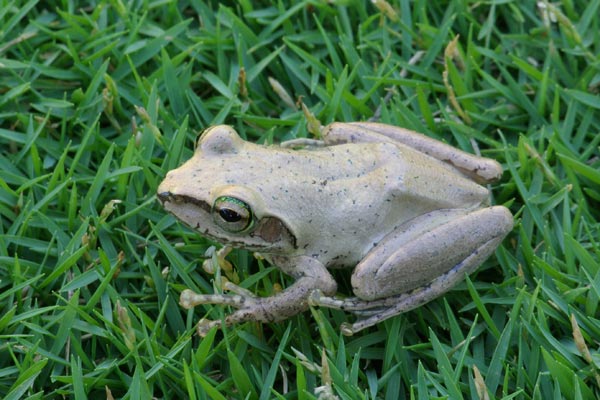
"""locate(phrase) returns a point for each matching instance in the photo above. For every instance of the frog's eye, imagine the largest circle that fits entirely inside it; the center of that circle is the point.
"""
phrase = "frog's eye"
(232, 214)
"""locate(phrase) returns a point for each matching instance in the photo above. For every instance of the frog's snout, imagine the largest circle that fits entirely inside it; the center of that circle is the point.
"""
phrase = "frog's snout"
(163, 196)
(166, 189)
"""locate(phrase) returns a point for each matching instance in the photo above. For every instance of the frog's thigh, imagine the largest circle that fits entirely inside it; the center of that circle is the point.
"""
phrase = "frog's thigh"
(428, 248)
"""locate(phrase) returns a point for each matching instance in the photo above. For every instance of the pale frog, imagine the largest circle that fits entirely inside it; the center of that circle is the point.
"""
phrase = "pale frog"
(406, 212)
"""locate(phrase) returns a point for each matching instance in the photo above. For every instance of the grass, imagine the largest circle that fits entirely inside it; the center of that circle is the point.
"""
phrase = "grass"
(99, 99)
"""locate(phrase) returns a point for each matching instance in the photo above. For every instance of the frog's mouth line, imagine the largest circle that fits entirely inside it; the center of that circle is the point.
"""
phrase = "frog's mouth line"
(166, 197)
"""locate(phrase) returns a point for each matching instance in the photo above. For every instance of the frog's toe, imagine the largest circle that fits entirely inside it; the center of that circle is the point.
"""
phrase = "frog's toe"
(232, 287)
(205, 325)
(347, 329)
(190, 299)
(315, 297)
(318, 299)
(186, 299)
(352, 304)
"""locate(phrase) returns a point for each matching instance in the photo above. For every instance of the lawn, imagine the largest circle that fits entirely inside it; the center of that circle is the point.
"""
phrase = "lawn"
(98, 100)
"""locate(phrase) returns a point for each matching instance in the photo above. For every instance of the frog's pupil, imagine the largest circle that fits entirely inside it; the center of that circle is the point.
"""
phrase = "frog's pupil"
(229, 215)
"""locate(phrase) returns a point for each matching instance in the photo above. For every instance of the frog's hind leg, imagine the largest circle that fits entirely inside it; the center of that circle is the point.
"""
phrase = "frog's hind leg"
(419, 262)
(480, 169)
(372, 312)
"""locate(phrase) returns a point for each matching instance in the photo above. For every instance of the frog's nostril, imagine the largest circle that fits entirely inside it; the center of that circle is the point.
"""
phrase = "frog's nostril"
(164, 196)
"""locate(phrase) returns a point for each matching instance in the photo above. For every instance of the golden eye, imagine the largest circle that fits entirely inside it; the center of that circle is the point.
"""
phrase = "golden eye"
(232, 214)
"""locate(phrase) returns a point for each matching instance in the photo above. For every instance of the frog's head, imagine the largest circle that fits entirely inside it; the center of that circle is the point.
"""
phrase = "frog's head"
(209, 194)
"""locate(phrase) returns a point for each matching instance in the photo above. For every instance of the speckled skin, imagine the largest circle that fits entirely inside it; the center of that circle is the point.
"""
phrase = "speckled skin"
(375, 198)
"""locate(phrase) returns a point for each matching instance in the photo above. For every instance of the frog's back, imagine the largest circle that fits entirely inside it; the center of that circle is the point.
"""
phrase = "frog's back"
(362, 192)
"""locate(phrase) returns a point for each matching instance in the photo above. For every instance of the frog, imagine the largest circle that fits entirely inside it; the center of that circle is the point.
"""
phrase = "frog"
(409, 216)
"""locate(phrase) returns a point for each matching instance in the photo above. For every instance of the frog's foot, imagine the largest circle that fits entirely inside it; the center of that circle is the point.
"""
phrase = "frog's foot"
(371, 312)
(276, 307)
(248, 306)
(351, 304)
(246, 303)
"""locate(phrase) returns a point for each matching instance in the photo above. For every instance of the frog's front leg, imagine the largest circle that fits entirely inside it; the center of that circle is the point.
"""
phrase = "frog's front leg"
(310, 274)
(419, 261)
